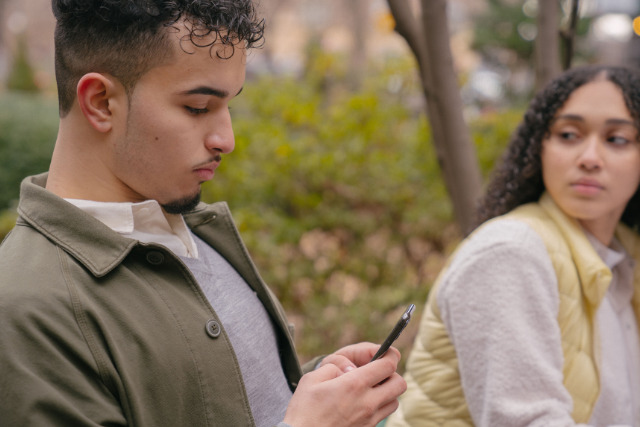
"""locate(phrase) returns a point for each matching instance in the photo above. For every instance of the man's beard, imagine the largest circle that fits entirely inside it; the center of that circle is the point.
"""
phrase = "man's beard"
(182, 206)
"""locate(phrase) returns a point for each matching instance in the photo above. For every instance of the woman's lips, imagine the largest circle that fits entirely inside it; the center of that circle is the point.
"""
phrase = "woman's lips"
(587, 187)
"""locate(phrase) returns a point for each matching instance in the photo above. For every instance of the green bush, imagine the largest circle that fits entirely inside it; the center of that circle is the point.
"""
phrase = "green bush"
(29, 124)
(22, 75)
(491, 134)
(7, 222)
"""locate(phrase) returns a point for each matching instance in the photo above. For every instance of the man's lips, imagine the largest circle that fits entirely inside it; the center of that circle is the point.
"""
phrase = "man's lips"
(206, 171)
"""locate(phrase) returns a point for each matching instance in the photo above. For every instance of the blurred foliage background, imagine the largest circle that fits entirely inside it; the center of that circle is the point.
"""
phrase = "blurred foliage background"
(337, 192)
(339, 197)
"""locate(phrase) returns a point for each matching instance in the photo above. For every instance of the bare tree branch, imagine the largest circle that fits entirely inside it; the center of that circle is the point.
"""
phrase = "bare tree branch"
(358, 57)
(429, 39)
(568, 35)
(460, 163)
(409, 28)
(547, 48)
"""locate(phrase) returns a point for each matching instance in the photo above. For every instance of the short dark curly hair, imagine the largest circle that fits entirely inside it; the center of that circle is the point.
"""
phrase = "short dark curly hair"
(126, 38)
(518, 179)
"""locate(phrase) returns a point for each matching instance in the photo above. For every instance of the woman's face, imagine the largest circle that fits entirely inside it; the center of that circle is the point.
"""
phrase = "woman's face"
(591, 158)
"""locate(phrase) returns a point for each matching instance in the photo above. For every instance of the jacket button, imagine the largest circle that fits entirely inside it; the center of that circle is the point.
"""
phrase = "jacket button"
(213, 328)
(155, 258)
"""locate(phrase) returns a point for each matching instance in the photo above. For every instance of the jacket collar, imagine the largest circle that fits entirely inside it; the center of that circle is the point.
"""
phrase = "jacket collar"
(101, 250)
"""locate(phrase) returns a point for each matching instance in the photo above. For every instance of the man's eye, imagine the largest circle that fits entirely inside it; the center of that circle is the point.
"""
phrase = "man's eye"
(196, 111)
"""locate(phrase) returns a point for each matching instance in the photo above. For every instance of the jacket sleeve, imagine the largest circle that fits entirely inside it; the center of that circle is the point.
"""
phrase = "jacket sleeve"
(48, 376)
(312, 364)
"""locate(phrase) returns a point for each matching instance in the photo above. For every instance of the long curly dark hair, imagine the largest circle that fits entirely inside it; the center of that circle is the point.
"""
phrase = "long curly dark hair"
(518, 178)
(126, 38)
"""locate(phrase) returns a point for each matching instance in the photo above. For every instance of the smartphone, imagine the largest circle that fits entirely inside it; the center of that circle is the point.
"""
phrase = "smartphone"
(395, 332)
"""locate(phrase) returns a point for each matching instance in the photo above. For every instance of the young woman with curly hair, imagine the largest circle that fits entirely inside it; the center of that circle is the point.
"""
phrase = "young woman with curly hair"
(534, 320)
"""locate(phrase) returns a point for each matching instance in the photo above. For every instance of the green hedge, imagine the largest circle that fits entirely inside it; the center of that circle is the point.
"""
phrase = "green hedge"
(28, 127)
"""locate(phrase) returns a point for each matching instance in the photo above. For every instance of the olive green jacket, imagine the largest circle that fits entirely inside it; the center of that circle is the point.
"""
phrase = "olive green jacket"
(99, 329)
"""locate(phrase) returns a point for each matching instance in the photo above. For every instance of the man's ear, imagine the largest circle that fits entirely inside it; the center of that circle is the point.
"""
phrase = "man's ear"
(96, 94)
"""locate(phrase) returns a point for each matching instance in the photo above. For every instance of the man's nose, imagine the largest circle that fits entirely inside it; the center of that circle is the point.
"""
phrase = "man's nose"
(221, 136)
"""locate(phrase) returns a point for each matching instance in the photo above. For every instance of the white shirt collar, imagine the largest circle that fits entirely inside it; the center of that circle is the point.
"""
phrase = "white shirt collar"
(621, 265)
(144, 221)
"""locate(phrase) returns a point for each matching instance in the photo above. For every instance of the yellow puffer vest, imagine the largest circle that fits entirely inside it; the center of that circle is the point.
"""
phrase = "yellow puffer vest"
(435, 397)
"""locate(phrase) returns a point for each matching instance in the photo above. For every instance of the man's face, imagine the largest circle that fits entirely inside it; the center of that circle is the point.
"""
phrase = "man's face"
(178, 125)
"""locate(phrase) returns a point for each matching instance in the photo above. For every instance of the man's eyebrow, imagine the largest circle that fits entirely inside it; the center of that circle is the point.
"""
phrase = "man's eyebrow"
(206, 90)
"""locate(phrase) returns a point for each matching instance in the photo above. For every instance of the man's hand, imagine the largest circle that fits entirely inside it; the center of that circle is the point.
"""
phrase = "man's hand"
(353, 356)
(347, 390)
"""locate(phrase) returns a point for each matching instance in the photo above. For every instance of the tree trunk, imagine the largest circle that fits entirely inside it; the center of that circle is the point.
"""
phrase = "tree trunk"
(359, 10)
(429, 39)
(3, 21)
(568, 36)
(269, 10)
(547, 48)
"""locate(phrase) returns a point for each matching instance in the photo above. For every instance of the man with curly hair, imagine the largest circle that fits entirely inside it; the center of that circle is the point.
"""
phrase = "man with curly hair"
(124, 300)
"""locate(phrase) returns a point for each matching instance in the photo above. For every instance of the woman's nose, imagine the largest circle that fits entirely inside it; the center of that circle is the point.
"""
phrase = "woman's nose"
(591, 157)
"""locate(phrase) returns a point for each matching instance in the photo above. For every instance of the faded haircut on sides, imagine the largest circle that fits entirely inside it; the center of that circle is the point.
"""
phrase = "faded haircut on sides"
(127, 38)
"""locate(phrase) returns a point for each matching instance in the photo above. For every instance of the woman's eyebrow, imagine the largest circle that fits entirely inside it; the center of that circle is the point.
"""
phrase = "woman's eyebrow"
(620, 122)
(572, 117)
(579, 118)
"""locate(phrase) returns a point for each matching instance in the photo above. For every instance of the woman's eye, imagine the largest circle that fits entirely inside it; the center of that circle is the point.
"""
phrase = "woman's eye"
(618, 140)
(568, 135)
(196, 111)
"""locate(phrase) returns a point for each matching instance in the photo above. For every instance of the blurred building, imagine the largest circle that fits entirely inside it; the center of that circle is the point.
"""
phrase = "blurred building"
(32, 21)
(611, 34)
(362, 30)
